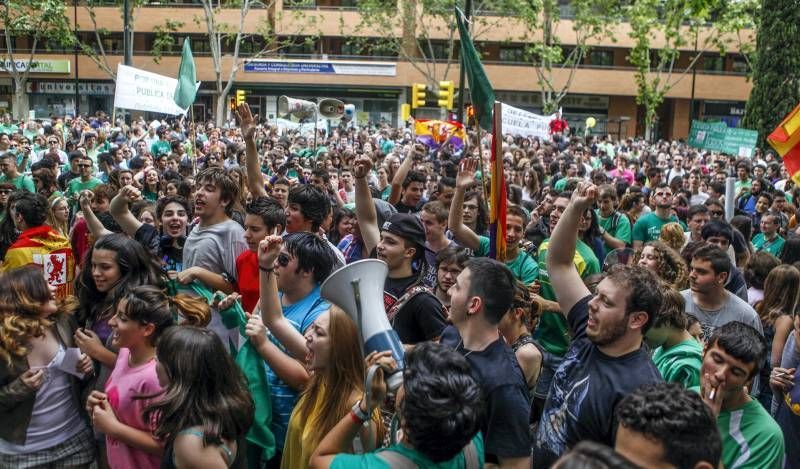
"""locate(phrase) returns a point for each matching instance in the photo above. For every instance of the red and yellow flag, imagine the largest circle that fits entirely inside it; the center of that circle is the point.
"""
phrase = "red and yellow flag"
(46, 247)
(785, 139)
(498, 198)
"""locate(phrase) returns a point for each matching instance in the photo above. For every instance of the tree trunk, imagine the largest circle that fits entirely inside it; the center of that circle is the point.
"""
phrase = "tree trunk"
(221, 109)
(20, 100)
(409, 40)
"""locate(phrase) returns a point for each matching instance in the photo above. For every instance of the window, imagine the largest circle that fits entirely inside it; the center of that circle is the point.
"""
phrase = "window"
(601, 58)
(512, 54)
(739, 64)
(713, 63)
(440, 50)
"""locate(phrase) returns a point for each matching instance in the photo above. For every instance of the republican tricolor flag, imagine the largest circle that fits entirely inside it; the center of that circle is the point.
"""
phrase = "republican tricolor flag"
(785, 139)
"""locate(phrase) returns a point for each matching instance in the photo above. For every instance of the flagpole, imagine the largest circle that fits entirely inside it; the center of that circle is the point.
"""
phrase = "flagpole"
(193, 136)
(462, 70)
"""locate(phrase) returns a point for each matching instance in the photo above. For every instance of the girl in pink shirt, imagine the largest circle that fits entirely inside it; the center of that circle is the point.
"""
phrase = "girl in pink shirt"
(140, 318)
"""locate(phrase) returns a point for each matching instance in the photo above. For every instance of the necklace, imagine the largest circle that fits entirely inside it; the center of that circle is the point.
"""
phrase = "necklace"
(461, 344)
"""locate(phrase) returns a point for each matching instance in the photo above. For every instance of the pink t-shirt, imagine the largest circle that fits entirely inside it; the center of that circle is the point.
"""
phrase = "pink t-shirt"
(124, 384)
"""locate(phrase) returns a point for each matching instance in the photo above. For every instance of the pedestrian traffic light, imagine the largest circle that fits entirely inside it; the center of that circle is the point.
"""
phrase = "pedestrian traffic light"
(417, 95)
(446, 93)
(240, 97)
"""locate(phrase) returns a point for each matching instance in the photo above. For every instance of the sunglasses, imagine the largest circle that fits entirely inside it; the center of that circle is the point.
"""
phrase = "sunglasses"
(84, 166)
(716, 213)
(283, 259)
(5, 191)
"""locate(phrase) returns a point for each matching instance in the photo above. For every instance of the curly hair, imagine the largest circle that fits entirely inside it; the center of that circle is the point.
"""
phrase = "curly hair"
(671, 266)
(443, 405)
(675, 417)
(23, 292)
(672, 235)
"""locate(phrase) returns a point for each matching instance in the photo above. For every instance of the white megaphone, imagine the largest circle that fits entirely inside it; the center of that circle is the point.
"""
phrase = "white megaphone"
(349, 112)
(330, 108)
(299, 108)
(357, 288)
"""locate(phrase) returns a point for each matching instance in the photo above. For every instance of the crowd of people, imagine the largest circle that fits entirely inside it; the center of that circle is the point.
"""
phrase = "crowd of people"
(631, 324)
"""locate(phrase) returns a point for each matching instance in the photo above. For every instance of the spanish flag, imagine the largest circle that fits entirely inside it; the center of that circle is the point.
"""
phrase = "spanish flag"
(435, 133)
(498, 196)
(46, 247)
(785, 139)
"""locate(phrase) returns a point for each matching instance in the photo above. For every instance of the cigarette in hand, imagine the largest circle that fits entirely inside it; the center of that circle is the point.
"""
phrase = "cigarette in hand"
(712, 394)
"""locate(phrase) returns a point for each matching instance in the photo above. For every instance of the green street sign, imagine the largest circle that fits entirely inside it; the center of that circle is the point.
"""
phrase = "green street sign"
(716, 136)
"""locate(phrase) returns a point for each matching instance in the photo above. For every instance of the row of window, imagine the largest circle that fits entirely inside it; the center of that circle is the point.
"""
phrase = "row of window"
(112, 44)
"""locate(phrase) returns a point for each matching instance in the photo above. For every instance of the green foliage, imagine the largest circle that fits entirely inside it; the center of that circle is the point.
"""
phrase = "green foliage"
(710, 25)
(776, 72)
(43, 22)
(165, 38)
(590, 20)
(421, 32)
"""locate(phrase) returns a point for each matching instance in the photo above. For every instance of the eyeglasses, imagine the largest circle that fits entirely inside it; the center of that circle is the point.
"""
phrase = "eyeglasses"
(283, 259)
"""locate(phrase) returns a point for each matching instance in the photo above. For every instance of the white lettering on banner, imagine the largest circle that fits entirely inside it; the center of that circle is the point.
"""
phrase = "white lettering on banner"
(145, 91)
(525, 124)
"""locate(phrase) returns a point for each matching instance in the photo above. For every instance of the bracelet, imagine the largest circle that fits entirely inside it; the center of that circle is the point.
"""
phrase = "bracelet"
(264, 269)
(356, 412)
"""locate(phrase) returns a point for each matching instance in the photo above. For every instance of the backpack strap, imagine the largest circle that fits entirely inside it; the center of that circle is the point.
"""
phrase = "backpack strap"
(396, 460)
(405, 298)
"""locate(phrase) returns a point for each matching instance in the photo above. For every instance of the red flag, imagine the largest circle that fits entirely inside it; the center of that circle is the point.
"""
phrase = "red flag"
(498, 199)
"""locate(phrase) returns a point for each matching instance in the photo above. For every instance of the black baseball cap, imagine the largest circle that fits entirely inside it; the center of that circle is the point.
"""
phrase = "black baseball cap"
(406, 226)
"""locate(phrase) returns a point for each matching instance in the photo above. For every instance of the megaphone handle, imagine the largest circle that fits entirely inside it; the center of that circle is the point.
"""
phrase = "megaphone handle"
(368, 385)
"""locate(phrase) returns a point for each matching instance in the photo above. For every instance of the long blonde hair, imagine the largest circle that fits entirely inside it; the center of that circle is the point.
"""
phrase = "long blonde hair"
(336, 382)
(61, 227)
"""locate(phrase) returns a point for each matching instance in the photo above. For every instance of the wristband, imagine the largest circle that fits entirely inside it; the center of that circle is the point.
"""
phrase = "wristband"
(358, 413)
(264, 269)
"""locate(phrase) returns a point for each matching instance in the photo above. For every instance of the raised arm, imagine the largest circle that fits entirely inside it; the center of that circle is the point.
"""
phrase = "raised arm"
(119, 209)
(270, 304)
(400, 176)
(95, 227)
(365, 207)
(247, 122)
(455, 222)
(564, 277)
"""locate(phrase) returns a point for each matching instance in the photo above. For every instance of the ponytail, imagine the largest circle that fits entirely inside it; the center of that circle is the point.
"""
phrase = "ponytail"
(189, 310)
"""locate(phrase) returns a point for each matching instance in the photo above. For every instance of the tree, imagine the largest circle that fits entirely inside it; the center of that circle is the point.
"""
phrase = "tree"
(708, 24)
(95, 49)
(426, 35)
(226, 41)
(43, 24)
(591, 20)
(776, 71)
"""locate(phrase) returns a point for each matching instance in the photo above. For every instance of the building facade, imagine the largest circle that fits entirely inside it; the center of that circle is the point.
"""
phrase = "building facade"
(324, 63)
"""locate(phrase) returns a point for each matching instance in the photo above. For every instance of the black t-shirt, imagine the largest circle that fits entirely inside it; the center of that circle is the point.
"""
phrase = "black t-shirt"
(169, 256)
(411, 209)
(422, 318)
(505, 426)
(585, 391)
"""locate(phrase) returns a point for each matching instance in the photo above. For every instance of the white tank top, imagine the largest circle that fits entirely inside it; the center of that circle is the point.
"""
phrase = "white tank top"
(55, 417)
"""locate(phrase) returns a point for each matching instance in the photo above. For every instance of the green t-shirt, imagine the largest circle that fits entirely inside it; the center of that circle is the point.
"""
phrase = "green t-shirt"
(552, 332)
(8, 129)
(372, 461)
(160, 147)
(75, 186)
(750, 437)
(617, 226)
(648, 226)
(773, 247)
(20, 182)
(523, 266)
(738, 185)
(680, 363)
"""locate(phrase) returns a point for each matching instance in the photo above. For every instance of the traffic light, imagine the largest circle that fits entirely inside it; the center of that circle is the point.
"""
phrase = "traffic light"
(232, 104)
(446, 94)
(240, 97)
(405, 112)
(417, 95)
(470, 112)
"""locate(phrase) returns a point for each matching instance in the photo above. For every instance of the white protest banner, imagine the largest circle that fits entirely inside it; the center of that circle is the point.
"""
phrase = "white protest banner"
(522, 123)
(145, 91)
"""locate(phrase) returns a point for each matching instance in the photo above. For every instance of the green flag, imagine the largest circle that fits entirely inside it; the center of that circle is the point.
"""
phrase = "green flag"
(187, 80)
(480, 89)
